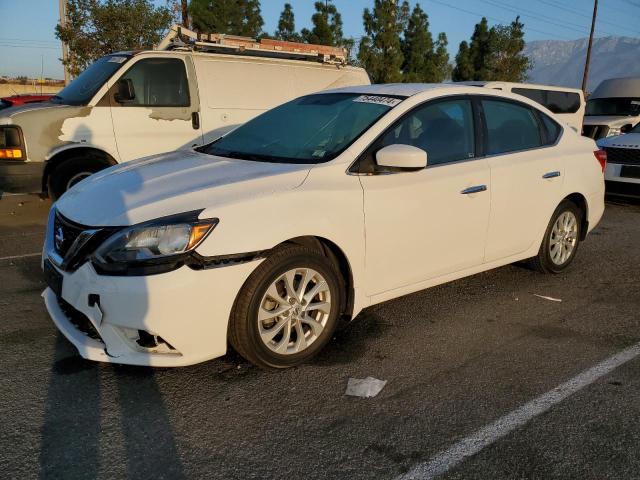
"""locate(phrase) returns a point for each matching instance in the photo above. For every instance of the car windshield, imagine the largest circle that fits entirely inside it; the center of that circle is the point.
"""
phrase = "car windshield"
(82, 89)
(311, 129)
(635, 129)
(614, 106)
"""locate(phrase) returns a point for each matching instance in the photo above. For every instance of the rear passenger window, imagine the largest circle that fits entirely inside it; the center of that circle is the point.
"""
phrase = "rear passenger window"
(557, 102)
(552, 128)
(159, 82)
(510, 127)
(443, 129)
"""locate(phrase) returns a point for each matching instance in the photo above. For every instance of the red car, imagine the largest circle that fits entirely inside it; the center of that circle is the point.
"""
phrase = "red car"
(14, 100)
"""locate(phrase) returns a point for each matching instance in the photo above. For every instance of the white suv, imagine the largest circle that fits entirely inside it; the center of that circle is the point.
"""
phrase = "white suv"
(305, 215)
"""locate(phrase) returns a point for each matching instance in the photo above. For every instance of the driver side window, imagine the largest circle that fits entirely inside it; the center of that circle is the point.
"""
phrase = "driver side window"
(159, 82)
(444, 129)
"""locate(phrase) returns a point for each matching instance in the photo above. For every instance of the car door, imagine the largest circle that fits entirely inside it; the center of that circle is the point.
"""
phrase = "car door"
(526, 175)
(164, 113)
(428, 223)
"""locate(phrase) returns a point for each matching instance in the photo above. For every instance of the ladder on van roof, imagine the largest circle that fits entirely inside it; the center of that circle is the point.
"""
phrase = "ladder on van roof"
(180, 38)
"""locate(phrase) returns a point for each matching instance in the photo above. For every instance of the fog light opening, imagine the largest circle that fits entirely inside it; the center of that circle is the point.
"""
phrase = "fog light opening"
(150, 341)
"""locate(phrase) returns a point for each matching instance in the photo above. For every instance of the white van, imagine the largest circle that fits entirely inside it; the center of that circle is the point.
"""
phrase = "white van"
(613, 108)
(129, 105)
(567, 103)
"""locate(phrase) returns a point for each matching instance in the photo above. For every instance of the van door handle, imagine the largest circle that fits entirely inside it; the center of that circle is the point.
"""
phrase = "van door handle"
(551, 174)
(475, 189)
(195, 120)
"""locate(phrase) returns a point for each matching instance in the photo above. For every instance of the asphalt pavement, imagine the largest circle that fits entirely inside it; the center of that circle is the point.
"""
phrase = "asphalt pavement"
(457, 358)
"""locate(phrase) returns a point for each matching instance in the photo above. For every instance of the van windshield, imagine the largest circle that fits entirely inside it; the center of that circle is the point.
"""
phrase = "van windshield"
(311, 129)
(82, 89)
(613, 106)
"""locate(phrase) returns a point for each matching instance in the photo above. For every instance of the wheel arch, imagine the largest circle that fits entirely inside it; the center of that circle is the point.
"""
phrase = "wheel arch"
(67, 153)
(336, 255)
(581, 202)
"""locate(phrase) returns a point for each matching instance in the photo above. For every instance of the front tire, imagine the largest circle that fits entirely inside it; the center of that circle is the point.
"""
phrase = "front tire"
(72, 170)
(561, 239)
(288, 309)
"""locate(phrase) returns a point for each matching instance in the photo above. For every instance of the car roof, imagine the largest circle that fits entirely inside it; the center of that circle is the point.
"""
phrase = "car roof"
(400, 89)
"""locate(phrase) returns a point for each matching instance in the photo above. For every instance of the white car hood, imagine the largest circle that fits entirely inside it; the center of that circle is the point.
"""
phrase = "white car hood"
(173, 183)
(628, 140)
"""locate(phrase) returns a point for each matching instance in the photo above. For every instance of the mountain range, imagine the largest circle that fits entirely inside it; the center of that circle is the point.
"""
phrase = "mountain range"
(558, 62)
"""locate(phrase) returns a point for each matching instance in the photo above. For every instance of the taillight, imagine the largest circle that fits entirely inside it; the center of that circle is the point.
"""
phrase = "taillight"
(601, 156)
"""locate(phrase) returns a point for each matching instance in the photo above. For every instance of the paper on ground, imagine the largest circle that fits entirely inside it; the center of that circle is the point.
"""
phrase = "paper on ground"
(547, 298)
(364, 387)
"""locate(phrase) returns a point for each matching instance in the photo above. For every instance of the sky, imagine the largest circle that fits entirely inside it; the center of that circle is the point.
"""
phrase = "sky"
(28, 44)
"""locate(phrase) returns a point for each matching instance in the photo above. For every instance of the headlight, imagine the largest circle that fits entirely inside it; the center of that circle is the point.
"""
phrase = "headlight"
(614, 131)
(151, 247)
(11, 144)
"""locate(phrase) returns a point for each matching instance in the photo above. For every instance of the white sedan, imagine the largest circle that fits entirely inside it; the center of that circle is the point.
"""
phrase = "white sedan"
(274, 234)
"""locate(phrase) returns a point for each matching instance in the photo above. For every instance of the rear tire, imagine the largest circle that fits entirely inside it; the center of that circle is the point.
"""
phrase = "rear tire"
(561, 239)
(273, 325)
(72, 170)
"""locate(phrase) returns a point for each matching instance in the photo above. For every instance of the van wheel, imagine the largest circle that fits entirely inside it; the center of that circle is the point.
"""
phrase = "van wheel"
(288, 309)
(561, 240)
(72, 170)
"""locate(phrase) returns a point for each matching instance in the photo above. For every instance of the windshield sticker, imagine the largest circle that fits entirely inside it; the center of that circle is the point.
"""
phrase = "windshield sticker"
(378, 100)
(117, 59)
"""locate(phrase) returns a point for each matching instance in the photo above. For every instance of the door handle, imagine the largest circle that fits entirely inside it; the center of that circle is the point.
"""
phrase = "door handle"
(195, 120)
(551, 174)
(475, 189)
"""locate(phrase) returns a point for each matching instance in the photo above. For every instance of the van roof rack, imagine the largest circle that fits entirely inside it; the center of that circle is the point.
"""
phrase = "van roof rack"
(180, 38)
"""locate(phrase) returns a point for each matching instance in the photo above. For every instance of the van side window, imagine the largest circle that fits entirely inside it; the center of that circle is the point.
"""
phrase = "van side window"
(445, 130)
(159, 82)
(510, 127)
(557, 102)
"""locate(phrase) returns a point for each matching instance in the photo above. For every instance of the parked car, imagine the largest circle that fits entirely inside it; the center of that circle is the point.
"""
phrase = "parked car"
(613, 108)
(567, 103)
(133, 104)
(305, 215)
(15, 100)
(622, 176)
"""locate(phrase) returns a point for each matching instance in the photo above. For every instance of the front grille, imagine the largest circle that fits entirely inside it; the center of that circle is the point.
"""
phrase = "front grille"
(595, 131)
(623, 156)
(79, 320)
(65, 232)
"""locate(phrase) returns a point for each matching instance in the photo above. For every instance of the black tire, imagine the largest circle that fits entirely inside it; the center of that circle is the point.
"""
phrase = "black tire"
(543, 262)
(244, 334)
(67, 172)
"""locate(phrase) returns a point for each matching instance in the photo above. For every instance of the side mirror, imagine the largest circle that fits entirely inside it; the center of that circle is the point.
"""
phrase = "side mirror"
(126, 92)
(402, 157)
(626, 128)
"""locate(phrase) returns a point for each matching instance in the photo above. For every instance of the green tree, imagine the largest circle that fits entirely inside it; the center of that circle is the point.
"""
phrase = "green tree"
(424, 61)
(494, 54)
(233, 17)
(463, 71)
(98, 27)
(380, 50)
(287, 25)
(327, 26)
(509, 63)
(481, 50)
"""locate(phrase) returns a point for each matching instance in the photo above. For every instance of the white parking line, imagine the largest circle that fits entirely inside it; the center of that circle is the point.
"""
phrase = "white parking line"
(26, 255)
(474, 443)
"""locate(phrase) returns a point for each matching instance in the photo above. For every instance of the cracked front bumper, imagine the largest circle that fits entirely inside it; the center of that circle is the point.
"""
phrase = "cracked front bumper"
(188, 309)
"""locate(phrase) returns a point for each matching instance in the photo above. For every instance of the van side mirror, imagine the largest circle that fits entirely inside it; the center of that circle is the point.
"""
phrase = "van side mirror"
(402, 157)
(126, 92)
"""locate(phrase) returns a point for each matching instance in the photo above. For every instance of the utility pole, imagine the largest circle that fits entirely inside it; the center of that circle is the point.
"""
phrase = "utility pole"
(585, 77)
(65, 48)
(185, 14)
